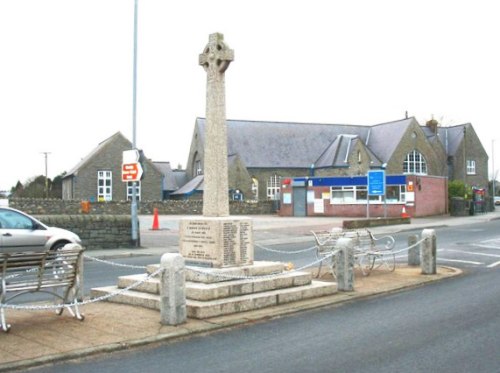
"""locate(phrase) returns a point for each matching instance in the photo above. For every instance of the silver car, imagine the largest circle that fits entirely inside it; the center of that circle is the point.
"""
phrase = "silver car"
(21, 232)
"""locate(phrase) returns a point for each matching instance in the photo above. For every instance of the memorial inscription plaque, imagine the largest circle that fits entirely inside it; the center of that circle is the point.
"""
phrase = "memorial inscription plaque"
(221, 242)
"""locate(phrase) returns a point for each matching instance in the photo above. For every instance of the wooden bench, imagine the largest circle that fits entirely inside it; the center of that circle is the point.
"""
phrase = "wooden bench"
(369, 251)
(56, 272)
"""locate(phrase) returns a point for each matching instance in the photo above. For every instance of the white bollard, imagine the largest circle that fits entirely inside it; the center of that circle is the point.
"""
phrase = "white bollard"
(414, 251)
(429, 251)
(172, 290)
(344, 262)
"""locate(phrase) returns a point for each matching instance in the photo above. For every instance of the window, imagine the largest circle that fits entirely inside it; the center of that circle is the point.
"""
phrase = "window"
(198, 170)
(395, 193)
(255, 189)
(415, 164)
(137, 190)
(273, 187)
(358, 194)
(14, 220)
(471, 167)
(104, 186)
(343, 194)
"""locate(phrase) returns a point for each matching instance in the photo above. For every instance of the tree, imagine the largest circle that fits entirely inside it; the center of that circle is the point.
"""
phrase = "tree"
(35, 187)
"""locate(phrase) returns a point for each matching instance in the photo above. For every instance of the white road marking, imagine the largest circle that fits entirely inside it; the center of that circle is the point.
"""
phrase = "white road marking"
(493, 264)
(473, 253)
(487, 246)
(459, 261)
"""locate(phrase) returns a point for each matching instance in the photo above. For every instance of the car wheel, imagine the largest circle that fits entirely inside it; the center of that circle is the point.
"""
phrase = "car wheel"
(58, 246)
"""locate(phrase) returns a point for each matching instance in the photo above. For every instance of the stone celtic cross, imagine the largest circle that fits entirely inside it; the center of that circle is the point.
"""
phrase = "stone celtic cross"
(215, 59)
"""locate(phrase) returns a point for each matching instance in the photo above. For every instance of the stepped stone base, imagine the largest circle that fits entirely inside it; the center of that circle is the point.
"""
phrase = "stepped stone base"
(225, 306)
(210, 295)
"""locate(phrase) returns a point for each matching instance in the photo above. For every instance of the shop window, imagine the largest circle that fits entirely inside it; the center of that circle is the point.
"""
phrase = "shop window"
(358, 194)
(395, 193)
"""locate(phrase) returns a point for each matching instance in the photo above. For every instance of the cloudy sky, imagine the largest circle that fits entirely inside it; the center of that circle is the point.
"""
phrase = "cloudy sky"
(66, 70)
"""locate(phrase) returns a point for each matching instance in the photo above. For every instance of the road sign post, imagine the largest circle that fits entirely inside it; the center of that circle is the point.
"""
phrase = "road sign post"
(132, 172)
(376, 187)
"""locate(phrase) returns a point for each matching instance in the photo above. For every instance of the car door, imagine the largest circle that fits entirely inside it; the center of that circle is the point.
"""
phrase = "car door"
(18, 234)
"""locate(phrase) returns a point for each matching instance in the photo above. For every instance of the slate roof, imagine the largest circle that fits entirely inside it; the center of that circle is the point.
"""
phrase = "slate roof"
(195, 184)
(265, 144)
(93, 153)
(172, 179)
(451, 137)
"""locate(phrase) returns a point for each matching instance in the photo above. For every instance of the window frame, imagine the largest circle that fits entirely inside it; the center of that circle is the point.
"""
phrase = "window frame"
(471, 167)
(104, 191)
(137, 190)
(415, 163)
(273, 188)
(359, 193)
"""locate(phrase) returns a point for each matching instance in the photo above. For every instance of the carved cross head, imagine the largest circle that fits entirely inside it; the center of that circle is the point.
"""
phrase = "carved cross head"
(216, 56)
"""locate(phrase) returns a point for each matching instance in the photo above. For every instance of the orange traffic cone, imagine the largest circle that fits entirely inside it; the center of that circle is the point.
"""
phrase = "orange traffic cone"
(404, 214)
(156, 224)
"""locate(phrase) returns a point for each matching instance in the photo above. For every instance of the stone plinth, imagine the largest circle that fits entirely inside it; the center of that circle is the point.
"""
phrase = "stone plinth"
(217, 241)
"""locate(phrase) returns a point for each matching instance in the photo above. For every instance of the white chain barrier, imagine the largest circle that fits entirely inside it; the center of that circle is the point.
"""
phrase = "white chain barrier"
(390, 252)
(114, 264)
(82, 303)
(274, 275)
(286, 252)
(194, 269)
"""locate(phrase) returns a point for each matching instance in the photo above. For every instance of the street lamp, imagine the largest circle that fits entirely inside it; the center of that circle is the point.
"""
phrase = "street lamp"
(133, 205)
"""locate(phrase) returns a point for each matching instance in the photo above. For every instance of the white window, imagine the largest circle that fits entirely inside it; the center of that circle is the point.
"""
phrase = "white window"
(255, 189)
(471, 167)
(273, 187)
(415, 164)
(137, 190)
(198, 168)
(358, 194)
(395, 193)
(104, 186)
(343, 194)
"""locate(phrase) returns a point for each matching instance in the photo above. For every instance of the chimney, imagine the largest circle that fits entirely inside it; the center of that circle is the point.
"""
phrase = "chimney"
(433, 125)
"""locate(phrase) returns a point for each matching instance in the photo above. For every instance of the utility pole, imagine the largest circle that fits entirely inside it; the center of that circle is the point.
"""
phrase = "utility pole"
(46, 174)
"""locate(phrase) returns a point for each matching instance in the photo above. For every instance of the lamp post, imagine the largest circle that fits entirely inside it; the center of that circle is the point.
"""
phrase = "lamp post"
(133, 205)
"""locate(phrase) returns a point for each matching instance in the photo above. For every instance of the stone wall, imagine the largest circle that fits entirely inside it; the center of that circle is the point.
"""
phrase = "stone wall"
(34, 206)
(96, 231)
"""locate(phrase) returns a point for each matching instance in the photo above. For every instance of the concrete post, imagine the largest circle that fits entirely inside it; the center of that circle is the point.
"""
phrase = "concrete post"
(414, 251)
(172, 290)
(344, 262)
(429, 250)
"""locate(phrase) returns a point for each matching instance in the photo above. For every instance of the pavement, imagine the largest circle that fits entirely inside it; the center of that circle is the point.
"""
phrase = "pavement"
(41, 337)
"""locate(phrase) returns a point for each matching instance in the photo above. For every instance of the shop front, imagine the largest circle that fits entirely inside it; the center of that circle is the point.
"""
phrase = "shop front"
(351, 196)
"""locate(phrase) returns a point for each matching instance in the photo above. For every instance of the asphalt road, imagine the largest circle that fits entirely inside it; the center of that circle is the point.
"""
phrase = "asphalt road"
(450, 326)
(471, 247)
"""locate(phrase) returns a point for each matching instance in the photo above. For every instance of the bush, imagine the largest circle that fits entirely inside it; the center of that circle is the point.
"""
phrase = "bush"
(457, 188)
